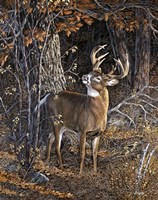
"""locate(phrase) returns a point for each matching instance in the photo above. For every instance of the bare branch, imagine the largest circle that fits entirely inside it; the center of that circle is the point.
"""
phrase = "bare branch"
(141, 103)
(130, 119)
(151, 18)
(106, 7)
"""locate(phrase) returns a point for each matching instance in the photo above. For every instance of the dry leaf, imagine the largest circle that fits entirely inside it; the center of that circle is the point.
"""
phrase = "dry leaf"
(79, 25)
(67, 12)
(78, 18)
(106, 17)
(68, 33)
(88, 21)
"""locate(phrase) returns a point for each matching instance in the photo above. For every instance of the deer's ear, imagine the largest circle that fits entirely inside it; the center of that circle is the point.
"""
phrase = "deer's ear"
(112, 82)
(99, 70)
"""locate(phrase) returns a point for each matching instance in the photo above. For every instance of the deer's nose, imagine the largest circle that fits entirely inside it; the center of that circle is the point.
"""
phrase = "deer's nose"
(86, 79)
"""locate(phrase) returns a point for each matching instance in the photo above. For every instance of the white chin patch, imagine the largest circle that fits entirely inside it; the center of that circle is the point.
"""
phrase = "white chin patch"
(92, 92)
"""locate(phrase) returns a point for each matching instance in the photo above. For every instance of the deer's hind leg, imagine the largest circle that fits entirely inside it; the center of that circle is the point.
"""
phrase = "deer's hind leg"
(51, 138)
(49, 145)
(95, 145)
(58, 137)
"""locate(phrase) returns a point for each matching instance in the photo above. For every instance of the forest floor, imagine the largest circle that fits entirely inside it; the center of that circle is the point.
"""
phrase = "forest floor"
(127, 169)
(121, 172)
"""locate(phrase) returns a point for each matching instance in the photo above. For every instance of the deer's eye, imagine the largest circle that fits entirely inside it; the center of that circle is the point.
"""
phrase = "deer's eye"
(97, 79)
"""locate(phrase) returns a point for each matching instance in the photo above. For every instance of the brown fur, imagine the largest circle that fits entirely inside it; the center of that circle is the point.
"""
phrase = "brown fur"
(79, 112)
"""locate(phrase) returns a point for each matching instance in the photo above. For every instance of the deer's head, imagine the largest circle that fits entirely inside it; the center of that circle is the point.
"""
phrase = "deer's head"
(95, 81)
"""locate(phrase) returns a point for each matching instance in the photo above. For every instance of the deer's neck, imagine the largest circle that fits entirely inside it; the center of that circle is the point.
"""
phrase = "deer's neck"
(92, 92)
(104, 94)
(105, 97)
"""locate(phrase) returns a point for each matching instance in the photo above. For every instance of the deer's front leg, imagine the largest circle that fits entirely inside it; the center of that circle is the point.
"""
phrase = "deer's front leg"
(95, 144)
(82, 150)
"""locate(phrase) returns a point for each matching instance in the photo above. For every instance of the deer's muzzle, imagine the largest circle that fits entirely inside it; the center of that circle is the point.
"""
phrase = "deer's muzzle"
(86, 79)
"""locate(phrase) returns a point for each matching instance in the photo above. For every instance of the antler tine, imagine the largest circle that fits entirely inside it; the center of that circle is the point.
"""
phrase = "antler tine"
(112, 71)
(96, 62)
(124, 71)
(100, 60)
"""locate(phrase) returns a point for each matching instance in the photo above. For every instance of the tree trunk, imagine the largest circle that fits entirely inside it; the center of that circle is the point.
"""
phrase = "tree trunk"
(53, 78)
(142, 56)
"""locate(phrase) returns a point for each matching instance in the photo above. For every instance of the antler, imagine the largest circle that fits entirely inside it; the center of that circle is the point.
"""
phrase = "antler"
(96, 62)
(124, 70)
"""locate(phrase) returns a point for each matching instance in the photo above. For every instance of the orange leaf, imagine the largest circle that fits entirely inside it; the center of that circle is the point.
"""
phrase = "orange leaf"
(10, 46)
(85, 16)
(79, 25)
(41, 39)
(27, 41)
(68, 33)
(77, 14)
(106, 17)
(73, 29)
(78, 18)
(29, 10)
(67, 12)
(88, 21)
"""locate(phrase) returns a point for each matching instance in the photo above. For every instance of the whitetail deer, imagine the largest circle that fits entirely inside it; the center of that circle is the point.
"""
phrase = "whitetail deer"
(85, 114)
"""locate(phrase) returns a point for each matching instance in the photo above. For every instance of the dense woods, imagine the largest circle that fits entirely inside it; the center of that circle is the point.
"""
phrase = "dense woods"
(45, 47)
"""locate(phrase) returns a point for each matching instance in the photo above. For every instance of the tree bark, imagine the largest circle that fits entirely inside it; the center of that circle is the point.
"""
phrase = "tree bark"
(142, 56)
(53, 78)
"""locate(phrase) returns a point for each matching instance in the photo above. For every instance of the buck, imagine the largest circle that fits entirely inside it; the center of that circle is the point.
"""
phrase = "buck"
(84, 114)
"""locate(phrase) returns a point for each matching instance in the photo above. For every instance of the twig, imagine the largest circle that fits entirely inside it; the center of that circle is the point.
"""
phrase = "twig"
(148, 162)
(139, 175)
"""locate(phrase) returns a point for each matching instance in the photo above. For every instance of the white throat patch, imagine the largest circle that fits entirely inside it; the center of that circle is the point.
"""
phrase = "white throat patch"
(92, 92)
